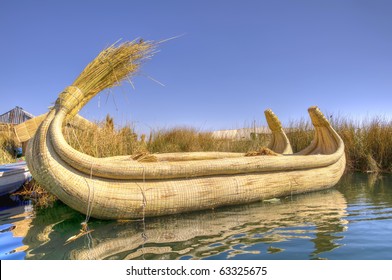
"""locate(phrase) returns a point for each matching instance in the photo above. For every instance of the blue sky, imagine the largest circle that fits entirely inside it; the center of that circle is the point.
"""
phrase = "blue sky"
(235, 59)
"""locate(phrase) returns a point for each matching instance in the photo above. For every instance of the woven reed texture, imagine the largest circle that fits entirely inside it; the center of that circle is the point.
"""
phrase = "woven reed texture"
(26, 130)
(119, 189)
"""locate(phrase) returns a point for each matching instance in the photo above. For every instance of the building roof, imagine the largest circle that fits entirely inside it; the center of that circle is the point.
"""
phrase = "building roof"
(15, 116)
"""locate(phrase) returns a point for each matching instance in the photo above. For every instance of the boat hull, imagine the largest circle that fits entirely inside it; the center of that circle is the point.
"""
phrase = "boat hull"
(129, 199)
(12, 177)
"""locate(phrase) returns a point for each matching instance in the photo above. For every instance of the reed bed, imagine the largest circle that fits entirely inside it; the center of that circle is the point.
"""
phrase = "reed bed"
(8, 144)
(368, 143)
(104, 140)
(188, 139)
(37, 194)
(5, 156)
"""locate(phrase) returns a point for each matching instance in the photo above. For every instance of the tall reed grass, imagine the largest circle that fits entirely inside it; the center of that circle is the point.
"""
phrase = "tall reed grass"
(188, 139)
(104, 140)
(7, 144)
(368, 143)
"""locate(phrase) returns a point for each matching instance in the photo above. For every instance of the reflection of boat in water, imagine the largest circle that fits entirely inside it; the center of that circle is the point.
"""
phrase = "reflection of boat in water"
(255, 228)
(111, 188)
(15, 220)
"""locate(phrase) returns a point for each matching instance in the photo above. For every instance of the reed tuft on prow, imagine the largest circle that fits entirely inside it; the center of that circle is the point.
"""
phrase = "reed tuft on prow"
(108, 69)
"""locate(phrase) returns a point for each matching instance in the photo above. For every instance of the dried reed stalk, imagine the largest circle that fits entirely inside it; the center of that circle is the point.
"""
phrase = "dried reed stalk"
(107, 70)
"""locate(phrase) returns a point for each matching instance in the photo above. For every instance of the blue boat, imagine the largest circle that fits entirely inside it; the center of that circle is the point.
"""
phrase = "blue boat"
(13, 176)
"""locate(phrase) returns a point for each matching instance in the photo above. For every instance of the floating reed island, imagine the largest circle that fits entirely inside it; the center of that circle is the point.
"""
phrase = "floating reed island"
(127, 187)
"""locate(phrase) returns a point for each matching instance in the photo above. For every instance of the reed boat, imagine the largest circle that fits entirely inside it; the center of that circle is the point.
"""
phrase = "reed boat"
(128, 187)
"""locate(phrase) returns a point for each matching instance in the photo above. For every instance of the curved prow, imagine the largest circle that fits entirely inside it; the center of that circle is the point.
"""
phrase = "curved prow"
(326, 140)
(279, 142)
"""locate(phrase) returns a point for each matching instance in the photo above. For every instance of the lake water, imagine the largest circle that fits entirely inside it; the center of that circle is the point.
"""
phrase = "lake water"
(351, 221)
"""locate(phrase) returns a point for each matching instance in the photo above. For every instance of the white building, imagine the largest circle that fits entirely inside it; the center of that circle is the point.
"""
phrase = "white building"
(241, 133)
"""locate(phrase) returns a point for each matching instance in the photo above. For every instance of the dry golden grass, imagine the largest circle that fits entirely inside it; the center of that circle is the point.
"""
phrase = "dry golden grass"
(113, 65)
(7, 144)
(40, 197)
(368, 144)
(180, 139)
(104, 140)
(264, 151)
(300, 134)
(5, 156)
(187, 139)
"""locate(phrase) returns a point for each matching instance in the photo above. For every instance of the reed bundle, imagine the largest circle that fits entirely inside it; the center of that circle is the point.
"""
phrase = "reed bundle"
(107, 70)
(26, 130)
